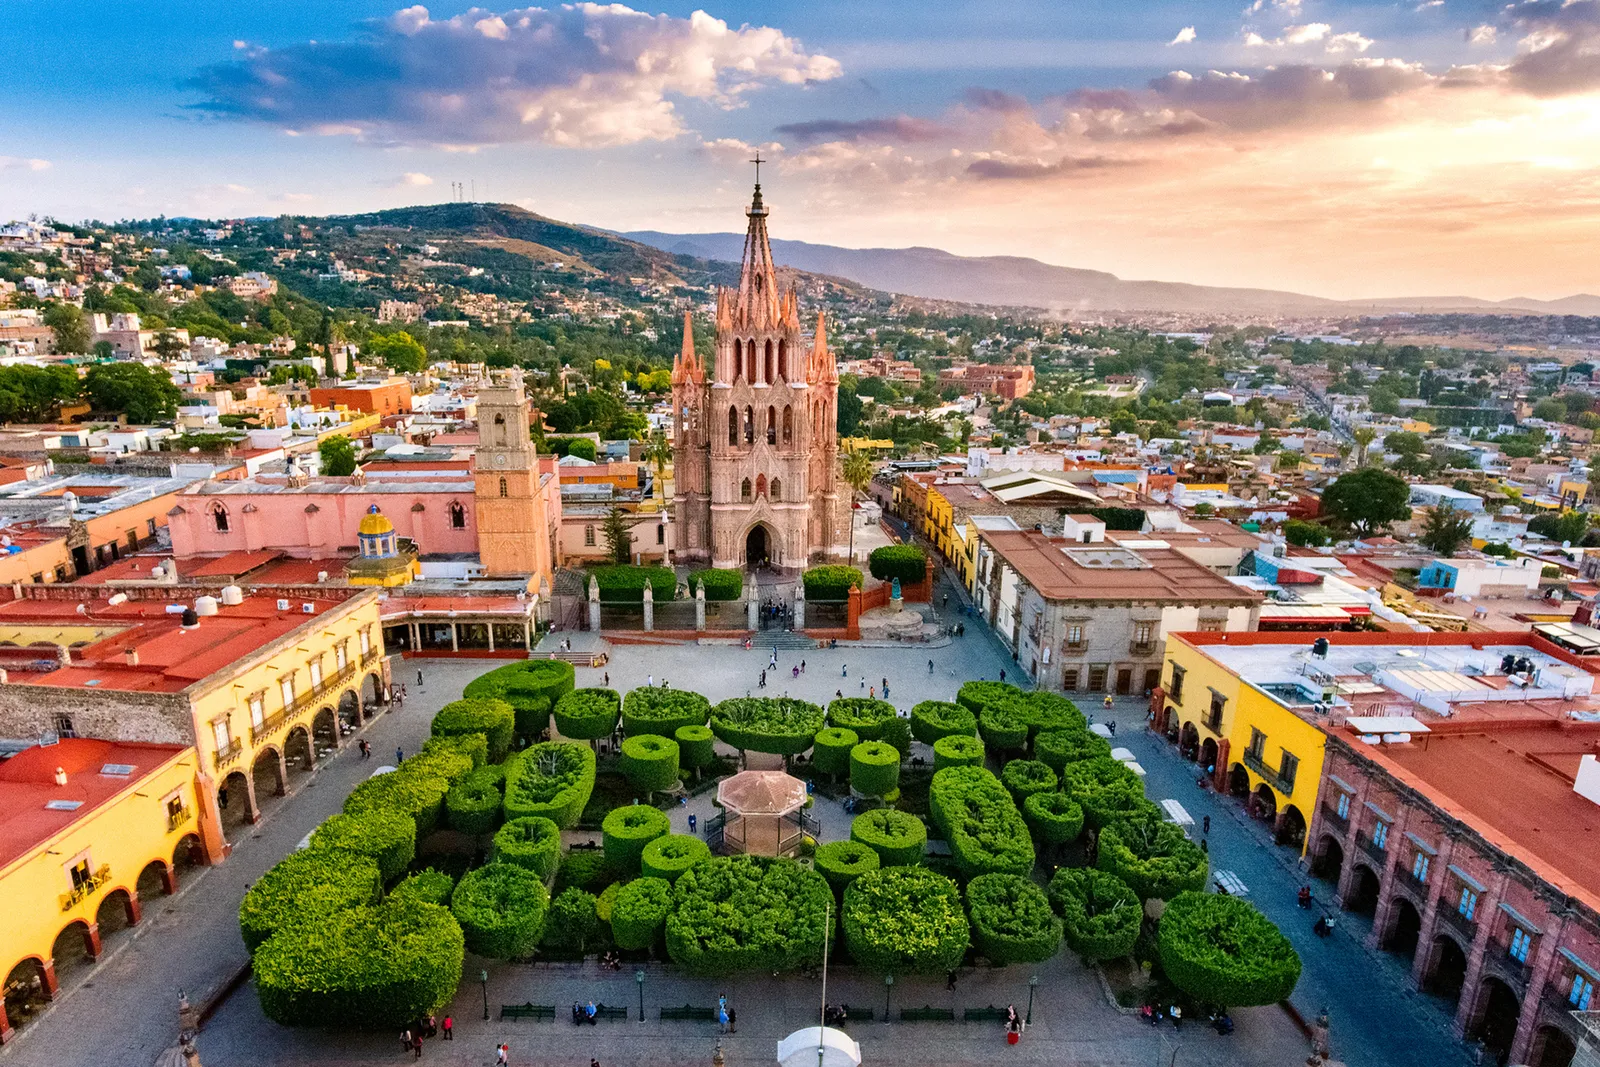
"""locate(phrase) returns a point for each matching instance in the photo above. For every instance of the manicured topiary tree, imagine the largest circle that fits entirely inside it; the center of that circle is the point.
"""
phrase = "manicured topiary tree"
(720, 583)
(874, 768)
(865, 716)
(373, 968)
(1100, 915)
(779, 726)
(981, 822)
(389, 837)
(905, 562)
(501, 908)
(1055, 818)
(427, 886)
(1025, 777)
(1221, 950)
(1105, 787)
(640, 912)
(574, 920)
(1001, 729)
(554, 780)
(627, 830)
(1043, 712)
(531, 841)
(491, 717)
(1057, 748)
(532, 687)
(841, 862)
(696, 747)
(957, 750)
(898, 837)
(978, 695)
(1011, 919)
(452, 757)
(830, 750)
(417, 794)
(650, 763)
(588, 714)
(905, 920)
(656, 709)
(473, 804)
(309, 884)
(668, 857)
(1153, 857)
(831, 582)
(745, 913)
(933, 719)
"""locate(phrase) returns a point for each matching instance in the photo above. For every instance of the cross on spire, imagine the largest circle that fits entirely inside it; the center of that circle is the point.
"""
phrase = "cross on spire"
(758, 161)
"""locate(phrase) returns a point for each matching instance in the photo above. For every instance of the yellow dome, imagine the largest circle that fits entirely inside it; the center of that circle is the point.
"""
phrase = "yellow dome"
(374, 523)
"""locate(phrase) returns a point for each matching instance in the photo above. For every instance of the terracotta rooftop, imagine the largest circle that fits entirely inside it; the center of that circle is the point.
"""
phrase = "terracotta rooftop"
(1065, 570)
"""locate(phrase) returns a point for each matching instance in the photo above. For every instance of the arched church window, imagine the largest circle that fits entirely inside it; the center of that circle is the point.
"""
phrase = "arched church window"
(219, 515)
(744, 491)
(788, 424)
(777, 489)
(772, 425)
(783, 360)
(733, 425)
(458, 516)
(749, 425)
(503, 491)
(761, 485)
(769, 367)
(738, 359)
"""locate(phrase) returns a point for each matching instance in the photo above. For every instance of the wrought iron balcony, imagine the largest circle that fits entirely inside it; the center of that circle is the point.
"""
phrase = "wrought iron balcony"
(177, 818)
(1518, 972)
(1467, 928)
(227, 755)
(1372, 848)
(1331, 816)
(1417, 886)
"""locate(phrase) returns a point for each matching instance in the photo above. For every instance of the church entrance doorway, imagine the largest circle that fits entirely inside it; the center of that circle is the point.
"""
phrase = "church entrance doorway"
(757, 548)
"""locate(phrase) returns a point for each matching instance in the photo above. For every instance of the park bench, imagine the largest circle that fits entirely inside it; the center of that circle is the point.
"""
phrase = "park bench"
(604, 1012)
(927, 1015)
(527, 1011)
(857, 1015)
(991, 1014)
(687, 1014)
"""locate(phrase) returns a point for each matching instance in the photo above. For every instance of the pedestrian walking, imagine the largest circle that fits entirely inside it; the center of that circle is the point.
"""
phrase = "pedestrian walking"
(844, 670)
(950, 981)
(449, 1028)
(930, 666)
(691, 822)
(405, 1041)
(366, 749)
(416, 1045)
(802, 666)
(403, 694)
(733, 1021)
(608, 680)
(650, 680)
(945, 601)
(1205, 845)
(886, 687)
(502, 1055)
(872, 694)
(419, 677)
(1002, 674)
(399, 756)
(222, 798)
(1111, 724)
(1205, 825)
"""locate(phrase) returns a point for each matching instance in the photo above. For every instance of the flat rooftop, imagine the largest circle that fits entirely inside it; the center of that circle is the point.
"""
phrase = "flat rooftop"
(1068, 570)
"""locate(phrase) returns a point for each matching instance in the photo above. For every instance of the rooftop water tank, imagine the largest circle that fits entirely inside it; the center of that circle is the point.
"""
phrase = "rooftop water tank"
(232, 595)
(205, 605)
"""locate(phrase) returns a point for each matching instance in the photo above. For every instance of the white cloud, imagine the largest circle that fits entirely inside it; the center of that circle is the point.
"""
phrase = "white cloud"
(412, 177)
(1484, 34)
(1348, 42)
(18, 163)
(1427, 4)
(1184, 36)
(1310, 32)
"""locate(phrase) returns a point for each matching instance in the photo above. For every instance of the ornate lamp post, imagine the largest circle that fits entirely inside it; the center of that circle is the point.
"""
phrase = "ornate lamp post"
(1033, 983)
(888, 984)
(638, 976)
(483, 977)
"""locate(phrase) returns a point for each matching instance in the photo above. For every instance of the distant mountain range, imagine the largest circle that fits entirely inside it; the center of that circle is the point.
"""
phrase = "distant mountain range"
(1019, 281)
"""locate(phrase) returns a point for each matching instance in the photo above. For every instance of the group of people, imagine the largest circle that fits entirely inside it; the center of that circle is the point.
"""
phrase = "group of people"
(585, 1013)
(411, 1037)
(775, 612)
(726, 1019)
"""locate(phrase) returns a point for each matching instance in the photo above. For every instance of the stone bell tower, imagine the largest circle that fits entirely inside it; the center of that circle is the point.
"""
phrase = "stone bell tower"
(514, 525)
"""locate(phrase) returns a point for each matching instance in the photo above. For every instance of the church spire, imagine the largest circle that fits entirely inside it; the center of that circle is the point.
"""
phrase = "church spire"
(758, 277)
(686, 368)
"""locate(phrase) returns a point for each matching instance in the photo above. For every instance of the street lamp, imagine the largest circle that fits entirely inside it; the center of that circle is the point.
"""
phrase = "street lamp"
(888, 984)
(483, 976)
(638, 976)
(1033, 983)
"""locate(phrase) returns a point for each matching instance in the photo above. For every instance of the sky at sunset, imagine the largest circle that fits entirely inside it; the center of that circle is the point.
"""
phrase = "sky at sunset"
(1345, 149)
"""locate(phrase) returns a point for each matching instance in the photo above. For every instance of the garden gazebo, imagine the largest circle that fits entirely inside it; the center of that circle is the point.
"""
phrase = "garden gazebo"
(762, 812)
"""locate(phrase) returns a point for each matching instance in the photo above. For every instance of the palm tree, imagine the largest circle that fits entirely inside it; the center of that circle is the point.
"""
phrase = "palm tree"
(1363, 437)
(658, 450)
(858, 473)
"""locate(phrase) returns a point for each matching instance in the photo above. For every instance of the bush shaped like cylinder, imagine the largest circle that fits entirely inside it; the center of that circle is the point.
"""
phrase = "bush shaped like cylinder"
(553, 780)
(427, 886)
(1001, 729)
(957, 750)
(1011, 919)
(627, 830)
(841, 862)
(588, 714)
(933, 719)
(473, 805)
(830, 753)
(501, 908)
(532, 841)
(639, 912)
(668, 857)
(898, 837)
(867, 717)
(1055, 817)
(1106, 788)
(1025, 777)
(308, 884)
(905, 920)
(696, 746)
(650, 763)
(1221, 950)
(1154, 857)
(778, 726)
(1057, 748)
(1100, 914)
(492, 718)
(874, 768)
(655, 709)
(419, 795)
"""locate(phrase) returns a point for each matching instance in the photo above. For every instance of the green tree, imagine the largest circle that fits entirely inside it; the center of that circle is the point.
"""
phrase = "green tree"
(1550, 410)
(1363, 438)
(398, 351)
(168, 346)
(67, 324)
(1306, 534)
(338, 457)
(658, 451)
(133, 389)
(849, 405)
(1444, 529)
(619, 537)
(1366, 500)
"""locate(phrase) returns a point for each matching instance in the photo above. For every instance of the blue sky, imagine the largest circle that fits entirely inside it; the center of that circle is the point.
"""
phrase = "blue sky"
(1335, 147)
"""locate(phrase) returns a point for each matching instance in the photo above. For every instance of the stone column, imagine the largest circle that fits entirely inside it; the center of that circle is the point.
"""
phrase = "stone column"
(699, 606)
(169, 879)
(416, 637)
(649, 608)
(799, 606)
(527, 637)
(51, 985)
(5, 1024)
(1392, 846)
(1430, 914)
(91, 941)
(594, 604)
(1219, 780)
(134, 910)
(455, 639)
(489, 625)
(1544, 963)
(1483, 916)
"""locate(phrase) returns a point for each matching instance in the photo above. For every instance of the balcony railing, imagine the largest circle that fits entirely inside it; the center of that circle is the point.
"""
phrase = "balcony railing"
(1330, 814)
(1372, 848)
(86, 888)
(227, 755)
(1518, 971)
(1466, 927)
(1257, 764)
(267, 725)
(1418, 887)
(1141, 648)
(371, 656)
(177, 818)
(1554, 1000)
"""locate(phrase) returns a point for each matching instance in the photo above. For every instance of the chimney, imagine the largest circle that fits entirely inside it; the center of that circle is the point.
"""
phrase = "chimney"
(61, 776)
(131, 657)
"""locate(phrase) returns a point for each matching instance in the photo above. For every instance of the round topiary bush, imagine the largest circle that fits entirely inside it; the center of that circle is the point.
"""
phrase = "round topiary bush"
(905, 920)
(1011, 919)
(532, 688)
(1100, 915)
(443, 755)
(744, 913)
(957, 750)
(491, 717)
(874, 768)
(831, 582)
(588, 714)
(898, 837)
(311, 884)
(473, 805)
(696, 747)
(779, 726)
(1044, 712)
(1001, 729)
(1055, 817)
(418, 795)
(532, 841)
(1105, 787)
(1057, 748)
(425, 887)
(1025, 777)
(830, 751)
(933, 719)
(981, 694)
(639, 912)
(980, 820)
(375, 968)
(655, 709)
(553, 780)
(1221, 950)
(668, 857)
(905, 562)
(501, 908)
(389, 837)
(574, 921)
(865, 716)
(650, 763)
(1153, 857)
(605, 901)
(841, 862)
(627, 830)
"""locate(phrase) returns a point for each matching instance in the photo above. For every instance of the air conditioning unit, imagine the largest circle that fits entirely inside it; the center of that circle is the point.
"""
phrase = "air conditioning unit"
(309, 609)
(283, 605)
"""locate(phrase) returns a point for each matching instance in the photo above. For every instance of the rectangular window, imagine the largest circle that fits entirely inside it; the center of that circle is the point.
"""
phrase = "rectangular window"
(1144, 634)
(150, 527)
(1213, 626)
(80, 872)
(220, 735)
(286, 687)
(366, 642)
(1468, 906)
(1380, 834)
(1214, 716)
(316, 673)
(1288, 767)
(341, 655)
(1097, 677)
(1343, 807)
(1521, 942)
(257, 712)
(1419, 867)
(661, 534)
(1069, 679)
(588, 536)
(1581, 993)
(1258, 743)
(1177, 684)
(1074, 635)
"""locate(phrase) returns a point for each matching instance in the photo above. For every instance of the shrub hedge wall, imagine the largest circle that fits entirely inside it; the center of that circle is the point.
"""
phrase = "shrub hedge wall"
(501, 908)
(532, 687)
(307, 886)
(389, 837)
(905, 562)
(957, 750)
(1025, 777)
(650, 763)
(744, 913)
(1153, 857)
(865, 716)
(1001, 729)
(627, 830)
(531, 841)
(979, 819)
(779, 726)
(639, 912)
(898, 837)
(588, 714)
(427, 886)
(1221, 950)
(473, 804)
(980, 694)
(720, 583)
(553, 779)
(1011, 919)
(905, 920)
(1100, 915)
(933, 719)
(623, 583)
(489, 716)
(841, 862)
(830, 751)
(831, 583)
(1057, 748)
(1105, 787)
(874, 768)
(668, 857)
(656, 709)
(410, 792)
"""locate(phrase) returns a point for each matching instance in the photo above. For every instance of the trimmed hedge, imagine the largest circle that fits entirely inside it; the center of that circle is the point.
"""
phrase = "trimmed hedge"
(473, 805)
(409, 792)
(1055, 817)
(874, 768)
(979, 819)
(905, 562)
(1025, 777)
(898, 837)
(501, 908)
(779, 726)
(841, 862)
(553, 780)
(623, 583)
(831, 583)
(425, 887)
(627, 830)
(389, 837)
(450, 758)
(1057, 748)
(1153, 857)
(905, 920)
(605, 901)
(957, 750)
(650, 763)
(574, 920)
(376, 968)
(720, 583)
(531, 687)
(978, 695)
(1011, 919)
(668, 857)
(696, 746)
(489, 716)
(746, 913)
(532, 842)
(933, 719)
(584, 870)
(1001, 729)
(639, 912)
(656, 709)
(1105, 787)
(588, 714)
(306, 886)
(867, 717)
(1100, 915)
(830, 750)
(1221, 950)
(1047, 711)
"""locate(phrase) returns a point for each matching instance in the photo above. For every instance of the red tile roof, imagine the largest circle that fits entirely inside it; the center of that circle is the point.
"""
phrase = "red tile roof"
(1058, 576)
